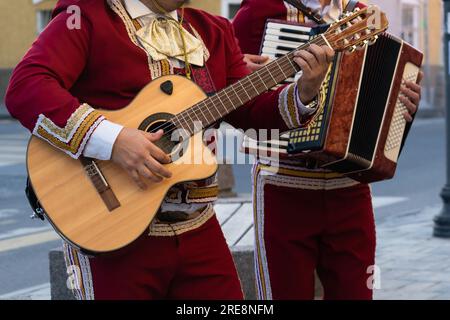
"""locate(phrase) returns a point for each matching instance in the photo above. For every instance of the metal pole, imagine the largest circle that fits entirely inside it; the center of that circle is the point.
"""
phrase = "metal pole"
(442, 221)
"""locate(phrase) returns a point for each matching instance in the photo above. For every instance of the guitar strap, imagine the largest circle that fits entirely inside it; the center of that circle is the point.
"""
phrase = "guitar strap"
(351, 5)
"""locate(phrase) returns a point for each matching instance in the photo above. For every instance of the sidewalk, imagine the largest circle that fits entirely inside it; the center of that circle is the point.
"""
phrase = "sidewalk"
(413, 265)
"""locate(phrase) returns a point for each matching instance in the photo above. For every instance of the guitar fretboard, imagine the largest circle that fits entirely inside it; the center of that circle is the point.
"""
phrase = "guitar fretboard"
(236, 95)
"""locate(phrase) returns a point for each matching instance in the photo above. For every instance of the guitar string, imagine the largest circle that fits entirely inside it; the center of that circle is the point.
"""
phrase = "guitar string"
(181, 118)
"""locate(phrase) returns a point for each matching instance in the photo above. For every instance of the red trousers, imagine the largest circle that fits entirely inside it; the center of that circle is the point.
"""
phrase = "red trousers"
(299, 231)
(194, 265)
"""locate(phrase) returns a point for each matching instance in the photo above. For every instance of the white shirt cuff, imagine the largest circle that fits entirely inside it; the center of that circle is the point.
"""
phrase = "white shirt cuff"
(101, 142)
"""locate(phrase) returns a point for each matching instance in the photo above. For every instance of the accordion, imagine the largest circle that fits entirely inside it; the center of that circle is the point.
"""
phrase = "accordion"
(360, 129)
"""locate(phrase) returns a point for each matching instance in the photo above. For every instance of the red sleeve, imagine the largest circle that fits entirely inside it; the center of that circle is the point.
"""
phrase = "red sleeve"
(39, 91)
(262, 112)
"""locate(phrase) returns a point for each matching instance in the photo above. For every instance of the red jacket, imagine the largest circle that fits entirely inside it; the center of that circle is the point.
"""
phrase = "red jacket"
(66, 72)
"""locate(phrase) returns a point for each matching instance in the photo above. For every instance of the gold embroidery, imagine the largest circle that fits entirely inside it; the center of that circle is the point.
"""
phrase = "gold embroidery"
(165, 67)
(64, 133)
(165, 230)
(206, 192)
(74, 144)
(282, 107)
(292, 106)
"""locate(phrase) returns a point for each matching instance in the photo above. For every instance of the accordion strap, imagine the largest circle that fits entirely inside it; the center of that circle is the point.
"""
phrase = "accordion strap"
(351, 5)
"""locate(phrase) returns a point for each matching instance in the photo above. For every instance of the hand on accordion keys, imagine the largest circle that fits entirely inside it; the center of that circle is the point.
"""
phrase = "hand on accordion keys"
(314, 63)
(411, 96)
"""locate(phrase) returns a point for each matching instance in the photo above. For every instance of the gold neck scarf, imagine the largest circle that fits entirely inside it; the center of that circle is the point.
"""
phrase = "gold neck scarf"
(162, 39)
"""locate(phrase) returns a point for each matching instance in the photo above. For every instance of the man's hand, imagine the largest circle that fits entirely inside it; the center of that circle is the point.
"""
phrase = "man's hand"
(411, 100)
(135, 151)
(255, 62)
(314, 63)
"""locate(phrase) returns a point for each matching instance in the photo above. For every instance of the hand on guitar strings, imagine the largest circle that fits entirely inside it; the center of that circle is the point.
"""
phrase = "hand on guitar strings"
(412, 92)
(255, 62)
(314, 63)
(135, 151)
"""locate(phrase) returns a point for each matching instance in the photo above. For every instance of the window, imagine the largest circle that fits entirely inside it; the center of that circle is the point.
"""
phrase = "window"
(230, 8)
(43, 18)
(410, 24)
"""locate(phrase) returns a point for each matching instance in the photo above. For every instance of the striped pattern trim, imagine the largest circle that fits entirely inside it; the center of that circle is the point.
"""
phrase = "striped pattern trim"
(263, 287)
(73, 137)
(189, 194)
(79, 268)
(290, 177)
(203, 194)
(302, 178)
(158, 229)
(287, 105)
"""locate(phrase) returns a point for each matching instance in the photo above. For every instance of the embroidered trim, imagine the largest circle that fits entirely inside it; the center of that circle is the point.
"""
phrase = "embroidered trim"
(291, 177)
(302, 178)
(205, 194)
(202, 193)
(287, 106)
(166, 68)
(165, 230)
(79, 268)
(73, 137)
(262, 276)
(292, 106)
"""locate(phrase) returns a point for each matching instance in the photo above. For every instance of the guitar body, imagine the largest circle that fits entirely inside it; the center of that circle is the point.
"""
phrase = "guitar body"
(72, 203)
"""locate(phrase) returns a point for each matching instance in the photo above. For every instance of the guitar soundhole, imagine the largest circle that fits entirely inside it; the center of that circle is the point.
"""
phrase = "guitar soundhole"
(173, 142)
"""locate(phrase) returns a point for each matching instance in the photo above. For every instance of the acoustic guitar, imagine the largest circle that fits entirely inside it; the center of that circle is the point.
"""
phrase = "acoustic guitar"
(97, 207)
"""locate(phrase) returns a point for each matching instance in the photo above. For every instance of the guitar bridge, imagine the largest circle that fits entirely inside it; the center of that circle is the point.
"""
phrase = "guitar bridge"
(99, 181)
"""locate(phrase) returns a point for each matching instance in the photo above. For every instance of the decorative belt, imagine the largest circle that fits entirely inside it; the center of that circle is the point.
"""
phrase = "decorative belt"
(169, 217)
(195, 194)
(169, 229)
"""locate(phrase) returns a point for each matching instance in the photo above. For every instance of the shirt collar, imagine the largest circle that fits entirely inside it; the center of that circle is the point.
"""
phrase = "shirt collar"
(136, 9)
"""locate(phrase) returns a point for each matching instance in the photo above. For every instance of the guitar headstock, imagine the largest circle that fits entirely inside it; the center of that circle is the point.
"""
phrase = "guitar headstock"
(357, 29)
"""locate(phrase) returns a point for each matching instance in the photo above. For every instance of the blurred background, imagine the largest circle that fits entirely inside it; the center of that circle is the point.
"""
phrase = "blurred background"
(411, 200)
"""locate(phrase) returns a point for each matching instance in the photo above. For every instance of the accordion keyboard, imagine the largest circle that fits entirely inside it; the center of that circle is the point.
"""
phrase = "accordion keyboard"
(280, 39)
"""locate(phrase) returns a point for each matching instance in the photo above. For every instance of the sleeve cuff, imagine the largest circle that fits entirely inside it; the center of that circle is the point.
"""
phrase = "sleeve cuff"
(291, 108)
(73, 137)
(101, 142)
(305, 111)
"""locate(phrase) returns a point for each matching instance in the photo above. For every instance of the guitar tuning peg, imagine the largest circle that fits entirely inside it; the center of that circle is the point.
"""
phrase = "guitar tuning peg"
(352, 49)
(356, 9)
(373, 40)
(362, 45)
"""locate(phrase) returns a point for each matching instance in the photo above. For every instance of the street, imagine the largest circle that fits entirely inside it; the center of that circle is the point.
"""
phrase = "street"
(25, 243)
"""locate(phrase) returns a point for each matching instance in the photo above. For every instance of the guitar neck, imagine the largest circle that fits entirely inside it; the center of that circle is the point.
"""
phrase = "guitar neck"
(214, 108)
